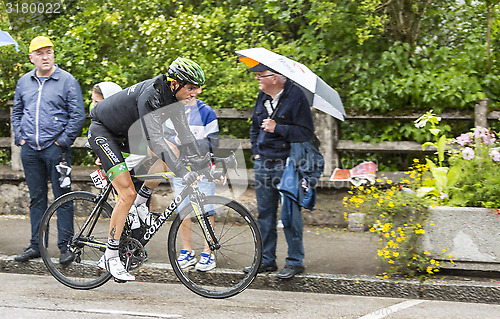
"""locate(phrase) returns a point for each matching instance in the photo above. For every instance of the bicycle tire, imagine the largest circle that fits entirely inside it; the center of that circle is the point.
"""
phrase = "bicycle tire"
(83, 272)
(240, 247)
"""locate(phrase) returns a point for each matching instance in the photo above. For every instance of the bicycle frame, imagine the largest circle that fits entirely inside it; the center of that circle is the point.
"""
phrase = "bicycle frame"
(195, 198)
(92, 221)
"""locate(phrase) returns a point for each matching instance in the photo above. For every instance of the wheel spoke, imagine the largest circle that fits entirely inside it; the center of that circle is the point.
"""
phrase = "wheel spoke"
(240, 247)
(83, 272)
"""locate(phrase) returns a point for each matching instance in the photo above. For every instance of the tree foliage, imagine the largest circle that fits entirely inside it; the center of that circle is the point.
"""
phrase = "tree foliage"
(383, 56)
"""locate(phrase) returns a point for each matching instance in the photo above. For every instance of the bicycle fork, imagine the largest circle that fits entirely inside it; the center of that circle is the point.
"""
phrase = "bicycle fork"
(203, 219)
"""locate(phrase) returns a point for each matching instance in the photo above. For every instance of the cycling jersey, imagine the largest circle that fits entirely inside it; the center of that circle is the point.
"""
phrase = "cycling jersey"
(145, 105)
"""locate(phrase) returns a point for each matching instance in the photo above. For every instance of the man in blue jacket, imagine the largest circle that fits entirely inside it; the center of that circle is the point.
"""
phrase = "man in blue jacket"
(47, 116)
(281, 116)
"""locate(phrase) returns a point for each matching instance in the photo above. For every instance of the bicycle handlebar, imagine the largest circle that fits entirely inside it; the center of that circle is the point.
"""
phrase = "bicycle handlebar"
(207, 163)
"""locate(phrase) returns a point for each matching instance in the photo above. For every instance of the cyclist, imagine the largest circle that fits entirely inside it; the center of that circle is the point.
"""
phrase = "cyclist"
(109, 136)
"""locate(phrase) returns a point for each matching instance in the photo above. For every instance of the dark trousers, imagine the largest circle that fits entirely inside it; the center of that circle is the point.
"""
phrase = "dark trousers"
(39, 169)
(267, 177)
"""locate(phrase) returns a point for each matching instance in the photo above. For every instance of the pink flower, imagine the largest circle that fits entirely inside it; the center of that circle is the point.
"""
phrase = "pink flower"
(468, 153)
(464, 139)
(495, 155)
(489, 138)
(486, 136)
(479, 131)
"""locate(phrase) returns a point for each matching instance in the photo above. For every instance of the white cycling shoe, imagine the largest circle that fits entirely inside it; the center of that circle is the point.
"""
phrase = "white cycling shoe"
(115, 268)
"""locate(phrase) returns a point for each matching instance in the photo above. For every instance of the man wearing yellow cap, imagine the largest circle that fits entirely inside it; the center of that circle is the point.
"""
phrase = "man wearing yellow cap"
(47, 116)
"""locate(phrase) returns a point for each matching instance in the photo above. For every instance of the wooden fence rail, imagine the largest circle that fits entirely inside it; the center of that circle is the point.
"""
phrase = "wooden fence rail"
(327, 130)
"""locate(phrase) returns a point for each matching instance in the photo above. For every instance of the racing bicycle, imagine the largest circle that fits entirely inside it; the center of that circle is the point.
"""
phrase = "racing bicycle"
(234, 238)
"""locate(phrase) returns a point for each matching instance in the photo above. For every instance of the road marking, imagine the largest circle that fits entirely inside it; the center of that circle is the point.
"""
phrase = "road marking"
(99, 311)
(384, 312)
(133, 313)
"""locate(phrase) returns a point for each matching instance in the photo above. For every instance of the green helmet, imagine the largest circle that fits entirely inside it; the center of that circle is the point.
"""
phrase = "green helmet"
(186, 70)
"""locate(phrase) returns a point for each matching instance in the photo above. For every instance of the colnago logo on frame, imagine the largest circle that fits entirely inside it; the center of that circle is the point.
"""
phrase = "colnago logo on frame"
(162, 218)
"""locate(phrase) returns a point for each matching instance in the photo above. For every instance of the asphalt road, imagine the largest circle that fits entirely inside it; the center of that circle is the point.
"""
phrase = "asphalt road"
(32, 296)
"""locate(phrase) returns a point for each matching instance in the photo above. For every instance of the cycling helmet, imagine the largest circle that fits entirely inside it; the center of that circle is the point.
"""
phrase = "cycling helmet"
(186, 70)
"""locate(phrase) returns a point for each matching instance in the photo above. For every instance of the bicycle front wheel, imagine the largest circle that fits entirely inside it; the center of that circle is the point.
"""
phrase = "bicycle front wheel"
(240, 247)
(74, 222)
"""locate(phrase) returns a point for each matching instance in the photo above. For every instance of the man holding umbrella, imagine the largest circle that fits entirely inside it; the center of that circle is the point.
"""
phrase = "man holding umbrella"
(281, 116)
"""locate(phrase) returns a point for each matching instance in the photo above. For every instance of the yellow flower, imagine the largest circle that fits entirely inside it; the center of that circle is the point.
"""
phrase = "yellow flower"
(395, 254)
(432, 261)
(426, 253)
(419, 231)
(391, 204)
(386, 227)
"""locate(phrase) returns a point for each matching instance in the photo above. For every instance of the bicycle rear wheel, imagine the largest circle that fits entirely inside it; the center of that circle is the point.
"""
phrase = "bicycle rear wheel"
(88, 248)
(240, 246)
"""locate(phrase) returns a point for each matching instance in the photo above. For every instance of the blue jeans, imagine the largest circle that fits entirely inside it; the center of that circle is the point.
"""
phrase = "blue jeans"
(267, 177)
(39, 168)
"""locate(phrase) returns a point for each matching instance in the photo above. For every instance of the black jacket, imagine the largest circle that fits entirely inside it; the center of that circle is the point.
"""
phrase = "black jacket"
(294, 123)
(139, 112)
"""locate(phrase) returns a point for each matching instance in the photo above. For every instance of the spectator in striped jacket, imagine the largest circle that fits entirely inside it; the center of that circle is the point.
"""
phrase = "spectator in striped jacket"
(204, 126)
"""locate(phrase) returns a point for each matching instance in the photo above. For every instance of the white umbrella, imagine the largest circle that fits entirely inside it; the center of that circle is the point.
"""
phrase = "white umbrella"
(6, 39)
(319, 94)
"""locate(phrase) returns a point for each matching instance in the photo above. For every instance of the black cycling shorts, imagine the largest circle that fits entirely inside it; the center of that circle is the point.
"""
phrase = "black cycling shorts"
(109, 148)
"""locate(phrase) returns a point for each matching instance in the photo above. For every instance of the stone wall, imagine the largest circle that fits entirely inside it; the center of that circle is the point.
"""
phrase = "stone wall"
(14, 200)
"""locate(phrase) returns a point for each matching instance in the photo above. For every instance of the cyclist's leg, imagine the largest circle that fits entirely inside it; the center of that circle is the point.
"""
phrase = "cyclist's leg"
(107, 147)
(158, 167)
(126, 194)
(149, 185)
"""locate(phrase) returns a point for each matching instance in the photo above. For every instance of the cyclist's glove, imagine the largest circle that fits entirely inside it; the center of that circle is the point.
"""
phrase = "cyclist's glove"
(189, 178)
